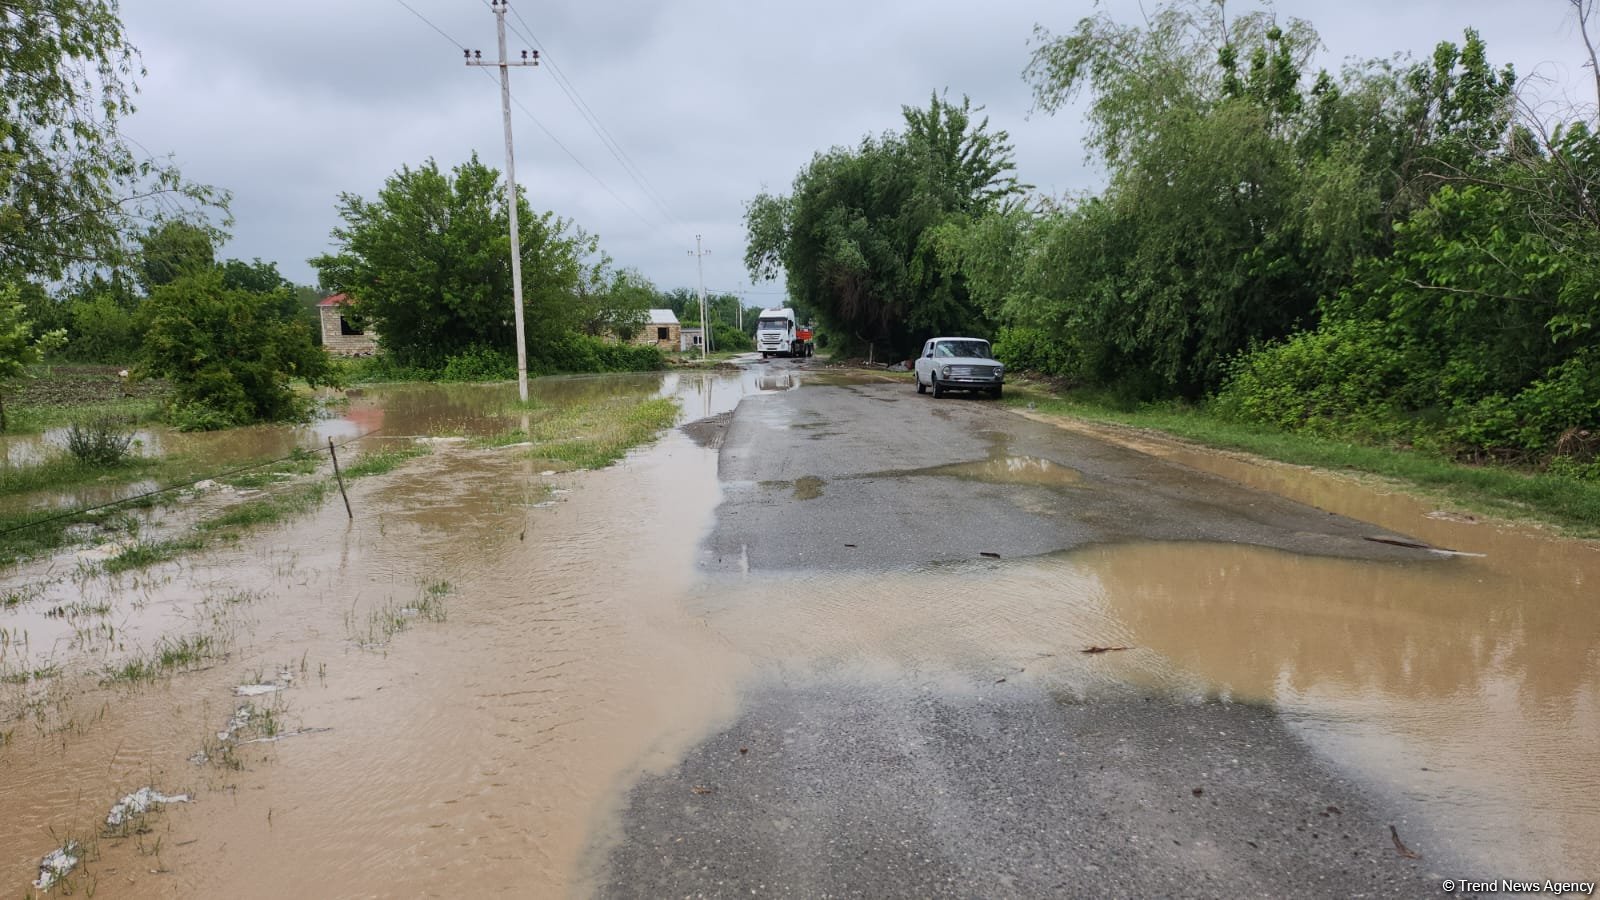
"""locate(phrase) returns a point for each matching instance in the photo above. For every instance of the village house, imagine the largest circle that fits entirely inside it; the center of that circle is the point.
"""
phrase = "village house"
(339, 335)
(660, 330)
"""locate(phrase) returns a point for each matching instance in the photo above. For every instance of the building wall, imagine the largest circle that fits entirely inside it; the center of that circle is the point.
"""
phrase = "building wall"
(650, 336)
(334, 340)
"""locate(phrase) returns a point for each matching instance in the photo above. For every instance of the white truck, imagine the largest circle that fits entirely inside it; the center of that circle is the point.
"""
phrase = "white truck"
(777, 332)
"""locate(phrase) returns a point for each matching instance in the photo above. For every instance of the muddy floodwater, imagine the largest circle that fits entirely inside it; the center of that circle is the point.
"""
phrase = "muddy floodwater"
(451, 694)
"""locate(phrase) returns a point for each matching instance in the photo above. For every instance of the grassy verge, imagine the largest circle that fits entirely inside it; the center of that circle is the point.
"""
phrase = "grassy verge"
(1571, 503)
(64, 471)
(593, 434)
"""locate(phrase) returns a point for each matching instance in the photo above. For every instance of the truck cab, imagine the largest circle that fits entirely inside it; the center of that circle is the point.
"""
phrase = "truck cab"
(777, 332)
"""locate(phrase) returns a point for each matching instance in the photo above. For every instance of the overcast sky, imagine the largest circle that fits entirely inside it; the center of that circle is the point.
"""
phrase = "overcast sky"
(288, 103)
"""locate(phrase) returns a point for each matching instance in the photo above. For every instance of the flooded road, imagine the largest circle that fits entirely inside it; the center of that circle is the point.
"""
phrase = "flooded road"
(505, 679)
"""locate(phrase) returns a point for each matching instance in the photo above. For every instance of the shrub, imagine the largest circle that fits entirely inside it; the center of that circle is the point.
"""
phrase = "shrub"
(1340, 378)
(479, 364)
(103, 330)
(582, 353)
(1034, 350)
(229, 350)
(101, 443)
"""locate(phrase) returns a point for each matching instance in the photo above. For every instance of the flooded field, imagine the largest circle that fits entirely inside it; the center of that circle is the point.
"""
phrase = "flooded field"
(448, 694)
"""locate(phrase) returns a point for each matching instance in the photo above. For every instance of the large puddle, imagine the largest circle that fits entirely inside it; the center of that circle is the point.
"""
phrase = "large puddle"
(474, 744)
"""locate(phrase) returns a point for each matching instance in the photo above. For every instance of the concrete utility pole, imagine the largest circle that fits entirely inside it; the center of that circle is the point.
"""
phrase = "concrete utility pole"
(475, 58)
(705, 323)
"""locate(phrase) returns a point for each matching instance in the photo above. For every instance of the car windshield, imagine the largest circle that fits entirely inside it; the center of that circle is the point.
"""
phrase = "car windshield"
(978, 349)
(775, 323)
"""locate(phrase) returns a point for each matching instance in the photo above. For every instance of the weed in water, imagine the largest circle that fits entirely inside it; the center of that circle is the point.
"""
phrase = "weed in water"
(101, 443)
(148, 553)
(169, 656)
(382, 462)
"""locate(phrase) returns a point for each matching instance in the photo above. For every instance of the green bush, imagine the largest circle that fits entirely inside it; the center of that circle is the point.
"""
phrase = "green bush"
(229, 353)
(380, 368)
(479, 364)
(101, 443)
(103, 330)
(1035, 350)
(582, 353)
(1334, 381)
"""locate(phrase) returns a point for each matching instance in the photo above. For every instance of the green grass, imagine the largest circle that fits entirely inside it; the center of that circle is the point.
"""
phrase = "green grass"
(301, 462)
(594, 434)
(61, 472)
(265, 510)
(382, 462)
(1571, 503)
(148, 553)
(170, 655)
(34, 419)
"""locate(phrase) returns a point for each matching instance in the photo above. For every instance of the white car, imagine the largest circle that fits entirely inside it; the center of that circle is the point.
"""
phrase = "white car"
(959, 364)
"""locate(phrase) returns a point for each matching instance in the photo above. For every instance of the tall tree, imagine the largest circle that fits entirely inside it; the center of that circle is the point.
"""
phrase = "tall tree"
(857, 236)
(72, 191)
(427, 263)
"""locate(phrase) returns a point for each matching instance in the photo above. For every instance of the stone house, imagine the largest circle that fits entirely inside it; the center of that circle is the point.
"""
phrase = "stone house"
(339, 335)
(659, 330)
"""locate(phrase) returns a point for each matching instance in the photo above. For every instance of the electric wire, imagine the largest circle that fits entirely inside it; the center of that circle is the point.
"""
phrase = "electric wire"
(535, 119)
(568, 87)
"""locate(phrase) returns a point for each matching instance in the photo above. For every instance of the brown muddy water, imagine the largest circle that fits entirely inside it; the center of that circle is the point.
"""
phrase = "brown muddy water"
(476, 738)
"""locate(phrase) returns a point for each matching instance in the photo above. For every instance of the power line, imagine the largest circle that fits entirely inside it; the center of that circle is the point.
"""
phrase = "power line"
(598, 180)
(535, 119)
(459, 45)
(592, 119)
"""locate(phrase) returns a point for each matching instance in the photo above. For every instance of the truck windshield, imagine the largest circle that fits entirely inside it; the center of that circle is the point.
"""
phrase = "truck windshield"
(780, 324)
(971, 349)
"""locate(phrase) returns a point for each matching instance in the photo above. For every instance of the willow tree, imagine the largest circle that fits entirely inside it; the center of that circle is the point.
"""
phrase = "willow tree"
(856, 238)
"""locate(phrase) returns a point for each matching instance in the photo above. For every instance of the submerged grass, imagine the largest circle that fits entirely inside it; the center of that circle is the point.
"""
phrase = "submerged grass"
(592, 434)
(148, 553)
(169, 656)
(264, 510)
(1571, 503)
(63, 471)
(382, 462)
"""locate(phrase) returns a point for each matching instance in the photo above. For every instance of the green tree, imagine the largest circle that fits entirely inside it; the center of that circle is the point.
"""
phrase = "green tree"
(624, 305)
(19, 346)
(230, 353)
(72, 192)
(427, 263)
(857, 237)
(172, 250)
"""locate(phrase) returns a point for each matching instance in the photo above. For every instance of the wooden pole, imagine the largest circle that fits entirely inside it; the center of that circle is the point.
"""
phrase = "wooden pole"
(340, 477)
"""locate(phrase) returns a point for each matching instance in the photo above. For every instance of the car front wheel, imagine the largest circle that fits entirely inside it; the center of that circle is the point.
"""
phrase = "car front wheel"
(997, 392)
(937, 391)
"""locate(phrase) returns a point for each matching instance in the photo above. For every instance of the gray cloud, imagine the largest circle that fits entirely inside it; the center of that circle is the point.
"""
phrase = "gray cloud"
(288, 104)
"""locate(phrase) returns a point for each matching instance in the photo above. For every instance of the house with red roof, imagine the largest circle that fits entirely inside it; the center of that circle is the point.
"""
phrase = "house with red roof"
(341, 333)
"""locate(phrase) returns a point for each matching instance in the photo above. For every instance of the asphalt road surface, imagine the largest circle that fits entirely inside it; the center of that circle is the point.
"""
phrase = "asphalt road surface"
(857, 786)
